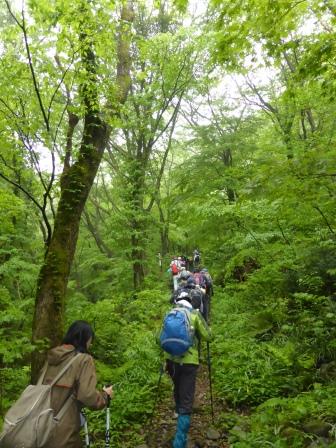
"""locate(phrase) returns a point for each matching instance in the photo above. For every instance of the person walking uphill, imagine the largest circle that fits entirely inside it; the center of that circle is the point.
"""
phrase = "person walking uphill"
(183, 368)
(79, 380)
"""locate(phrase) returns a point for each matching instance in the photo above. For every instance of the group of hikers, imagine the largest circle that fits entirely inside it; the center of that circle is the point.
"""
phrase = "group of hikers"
(185, 262)
(197, 282)
(191, 297)
(49, 414)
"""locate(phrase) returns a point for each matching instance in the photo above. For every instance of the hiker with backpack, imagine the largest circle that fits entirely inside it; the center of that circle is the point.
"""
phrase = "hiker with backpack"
(66, 384)
(79, 381)
(200, 279)
(175, 267)
(209, 291)
(182, 286)
(186, 262)
(183, 277)
(209, 282)
(203, 284)
(183, 329)
(196, 258)
(192, 286)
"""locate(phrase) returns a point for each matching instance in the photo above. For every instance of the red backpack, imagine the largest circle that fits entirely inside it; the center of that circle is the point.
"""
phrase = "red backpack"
(174, 269)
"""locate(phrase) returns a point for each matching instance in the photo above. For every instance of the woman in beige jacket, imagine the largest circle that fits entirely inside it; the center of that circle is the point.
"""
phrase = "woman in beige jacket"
(79, 381)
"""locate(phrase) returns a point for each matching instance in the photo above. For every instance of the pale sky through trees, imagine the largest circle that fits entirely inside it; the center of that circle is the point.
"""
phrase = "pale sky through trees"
(230, 86)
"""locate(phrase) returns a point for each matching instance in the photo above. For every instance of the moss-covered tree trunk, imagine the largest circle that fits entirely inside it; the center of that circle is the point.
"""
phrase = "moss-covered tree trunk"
(76, 182)
(54, 274)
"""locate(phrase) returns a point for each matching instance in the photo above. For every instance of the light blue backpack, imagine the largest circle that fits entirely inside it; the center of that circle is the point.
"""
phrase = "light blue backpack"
(177, 334)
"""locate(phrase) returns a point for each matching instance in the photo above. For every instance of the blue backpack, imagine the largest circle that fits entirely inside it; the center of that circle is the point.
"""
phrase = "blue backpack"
(177, 334)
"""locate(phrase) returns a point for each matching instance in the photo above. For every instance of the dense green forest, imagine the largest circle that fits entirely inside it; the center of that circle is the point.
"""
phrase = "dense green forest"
(133, 131)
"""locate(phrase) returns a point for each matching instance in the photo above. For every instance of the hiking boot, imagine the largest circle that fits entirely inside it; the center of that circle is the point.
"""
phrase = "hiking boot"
(181, 435)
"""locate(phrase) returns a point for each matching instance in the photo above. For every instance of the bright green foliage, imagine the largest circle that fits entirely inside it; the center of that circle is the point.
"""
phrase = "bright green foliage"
(19, 259)
(247, 176)
(127, 195)
(286, 422)
(279, 26)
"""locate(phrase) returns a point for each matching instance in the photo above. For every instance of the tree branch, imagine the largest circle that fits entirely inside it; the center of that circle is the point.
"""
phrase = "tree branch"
(282, 232)
(163, 164)
(31, 67)
(104, 249)
(324, 217)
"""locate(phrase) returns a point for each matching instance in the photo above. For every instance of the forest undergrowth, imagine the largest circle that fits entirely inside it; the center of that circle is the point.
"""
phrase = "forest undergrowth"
(270, 396)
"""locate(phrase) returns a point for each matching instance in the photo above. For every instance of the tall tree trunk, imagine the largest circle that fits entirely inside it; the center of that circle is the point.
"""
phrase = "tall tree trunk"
(138, 222)
(164, 230)
(138, 258)
(164, 233)
(54, 274)
(227, 160)
(76, 182)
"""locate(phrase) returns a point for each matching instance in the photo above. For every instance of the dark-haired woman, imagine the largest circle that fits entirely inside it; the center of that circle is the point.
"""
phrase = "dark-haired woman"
(79, 381)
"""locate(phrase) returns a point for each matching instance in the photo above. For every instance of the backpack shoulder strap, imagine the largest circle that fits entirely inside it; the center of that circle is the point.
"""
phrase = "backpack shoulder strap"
(61, 373)
(185, 311)
(41, 378)
(65, 368)
(65, 407)
(68, 402)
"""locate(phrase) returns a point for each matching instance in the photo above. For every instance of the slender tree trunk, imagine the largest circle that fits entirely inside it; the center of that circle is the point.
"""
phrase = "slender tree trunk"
(164, 230)
(138, 257)
(164, 240)
(138, 223)
(227, 160)
(54, 274)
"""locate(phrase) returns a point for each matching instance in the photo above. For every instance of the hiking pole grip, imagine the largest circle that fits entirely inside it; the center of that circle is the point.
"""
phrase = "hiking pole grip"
(210, 382)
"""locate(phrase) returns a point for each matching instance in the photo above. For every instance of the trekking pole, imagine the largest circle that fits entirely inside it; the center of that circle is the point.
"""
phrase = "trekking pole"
(107, 432)
(86, 431)
(210, 382)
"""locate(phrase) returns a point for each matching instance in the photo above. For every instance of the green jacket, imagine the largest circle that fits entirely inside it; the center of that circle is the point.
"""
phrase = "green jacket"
(202, 331)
